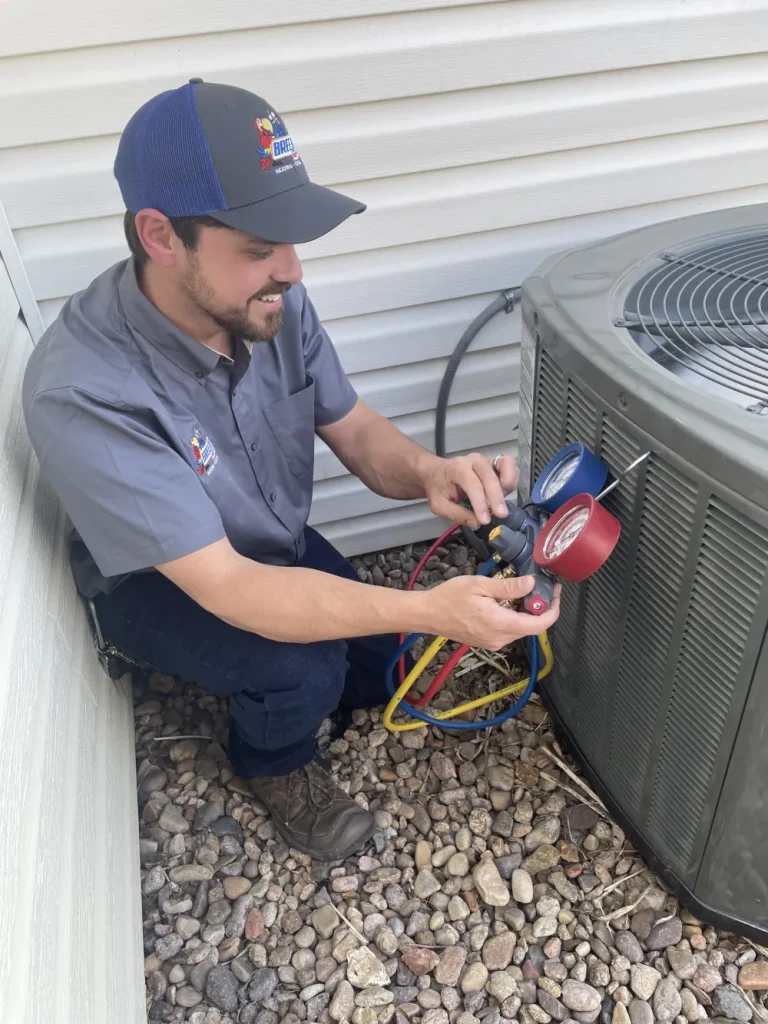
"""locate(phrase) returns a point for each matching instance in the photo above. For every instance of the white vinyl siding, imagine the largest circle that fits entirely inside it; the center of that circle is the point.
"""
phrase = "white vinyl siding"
(70, 948)
(482, 136)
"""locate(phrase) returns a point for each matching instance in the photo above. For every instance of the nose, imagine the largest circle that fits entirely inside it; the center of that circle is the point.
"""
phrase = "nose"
(287, 266)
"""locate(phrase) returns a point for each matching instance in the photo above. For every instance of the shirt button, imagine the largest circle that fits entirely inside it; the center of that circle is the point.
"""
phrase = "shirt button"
(199, 374)
(254, 446)
(273, 496)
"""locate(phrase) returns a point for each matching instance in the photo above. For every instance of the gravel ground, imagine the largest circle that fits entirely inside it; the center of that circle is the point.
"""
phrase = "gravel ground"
(495, 888)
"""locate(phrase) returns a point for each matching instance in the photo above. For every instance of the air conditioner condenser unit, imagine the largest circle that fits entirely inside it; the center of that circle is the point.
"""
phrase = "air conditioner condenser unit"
(657, 341)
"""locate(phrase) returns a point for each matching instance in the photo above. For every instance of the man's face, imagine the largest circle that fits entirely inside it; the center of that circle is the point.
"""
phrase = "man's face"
(238, 281)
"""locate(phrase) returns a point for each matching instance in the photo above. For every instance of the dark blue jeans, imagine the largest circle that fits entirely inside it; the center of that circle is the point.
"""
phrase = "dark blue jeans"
(279, 693)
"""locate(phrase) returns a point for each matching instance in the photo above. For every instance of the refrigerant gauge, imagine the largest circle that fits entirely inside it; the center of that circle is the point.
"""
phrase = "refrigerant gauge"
(577, 540)
(574, 470)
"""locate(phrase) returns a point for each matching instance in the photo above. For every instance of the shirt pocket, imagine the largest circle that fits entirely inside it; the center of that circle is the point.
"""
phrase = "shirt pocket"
(292, 421)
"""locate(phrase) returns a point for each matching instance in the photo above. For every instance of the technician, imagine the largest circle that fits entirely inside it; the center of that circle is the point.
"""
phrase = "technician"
(173, 406)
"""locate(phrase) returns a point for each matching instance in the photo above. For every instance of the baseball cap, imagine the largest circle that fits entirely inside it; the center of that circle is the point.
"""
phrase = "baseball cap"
(209, 148)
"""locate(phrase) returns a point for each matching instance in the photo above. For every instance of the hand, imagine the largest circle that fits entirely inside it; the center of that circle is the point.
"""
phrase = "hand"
(448, 481)
(466, 609)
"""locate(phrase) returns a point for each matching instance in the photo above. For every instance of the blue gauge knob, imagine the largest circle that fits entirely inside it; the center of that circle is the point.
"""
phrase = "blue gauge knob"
(574, 470)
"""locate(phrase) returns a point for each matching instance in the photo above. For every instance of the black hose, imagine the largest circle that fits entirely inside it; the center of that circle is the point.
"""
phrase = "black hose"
(506, 302)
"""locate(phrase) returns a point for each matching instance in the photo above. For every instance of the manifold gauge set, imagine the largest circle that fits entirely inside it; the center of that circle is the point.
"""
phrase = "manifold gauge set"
(563, 533)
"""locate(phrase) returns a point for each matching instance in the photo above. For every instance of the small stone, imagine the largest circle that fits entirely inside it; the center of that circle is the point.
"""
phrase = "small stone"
(551, 1005)
(642, 922)
(235, 887)
(254, 925)
(640, 1012)
(500, 777)
(374, 995)
(644, 981)
(727, 1001)
(168, 946)
(154, 881)
(420, 961)
(547, 832)
(490, 884)
(580, 997)
(707, 978)
(154, 781)
(497, 952)
(581, 818)
(457, 866)
(425, 885)
(669, 933)
(172, 820)
(667, 1003)
(689, 1005)
(629, 946)
(449, 968)
(474, 978)
(501, 986)
(423, 855)
(186, 927)
(544, 859)
(262, 985)
(754, 977)
(188, 997)
(324, 920)
(682, 963)
(522, 886)
(190, 873)
(221, 988)
(343, 1002)
(543, 927)
(620, 1014)
(364, 968)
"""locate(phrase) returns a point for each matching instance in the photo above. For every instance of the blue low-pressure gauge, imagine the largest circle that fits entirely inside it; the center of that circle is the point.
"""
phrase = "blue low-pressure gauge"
(574, 470)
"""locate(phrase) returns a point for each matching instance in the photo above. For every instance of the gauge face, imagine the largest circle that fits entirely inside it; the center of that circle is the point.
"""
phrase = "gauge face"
(566, 531)
(560, 476)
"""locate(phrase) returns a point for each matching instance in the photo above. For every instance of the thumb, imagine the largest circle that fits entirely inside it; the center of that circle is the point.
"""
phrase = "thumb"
(508, 588)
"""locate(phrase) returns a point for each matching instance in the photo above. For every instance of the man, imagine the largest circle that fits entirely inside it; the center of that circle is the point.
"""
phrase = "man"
(173, 405)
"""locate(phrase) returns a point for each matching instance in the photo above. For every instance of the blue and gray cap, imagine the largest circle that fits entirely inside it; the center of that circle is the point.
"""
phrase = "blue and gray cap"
(213, 149)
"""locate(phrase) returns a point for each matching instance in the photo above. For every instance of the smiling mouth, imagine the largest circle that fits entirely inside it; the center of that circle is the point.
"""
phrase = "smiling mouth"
(271, 300)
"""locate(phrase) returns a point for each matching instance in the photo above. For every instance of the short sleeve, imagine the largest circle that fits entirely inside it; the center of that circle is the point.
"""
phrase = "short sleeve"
(132, 498)
(334, 394)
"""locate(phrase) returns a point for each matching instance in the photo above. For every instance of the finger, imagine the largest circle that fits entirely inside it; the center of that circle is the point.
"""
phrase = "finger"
(447, 509)
(507, 588)
(508, 473)
(491, 483)
(463, 475)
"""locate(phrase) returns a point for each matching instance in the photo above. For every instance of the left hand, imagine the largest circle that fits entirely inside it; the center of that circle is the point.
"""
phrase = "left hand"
(448, 481)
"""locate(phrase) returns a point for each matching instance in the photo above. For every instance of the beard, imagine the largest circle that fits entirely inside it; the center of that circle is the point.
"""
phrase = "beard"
(232, 319)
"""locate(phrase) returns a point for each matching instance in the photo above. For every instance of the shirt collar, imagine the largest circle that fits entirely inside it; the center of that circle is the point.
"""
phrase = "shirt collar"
(190, 355)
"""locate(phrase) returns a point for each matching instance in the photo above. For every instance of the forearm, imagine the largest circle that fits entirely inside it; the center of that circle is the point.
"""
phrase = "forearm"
(301, 605)
(388, 462)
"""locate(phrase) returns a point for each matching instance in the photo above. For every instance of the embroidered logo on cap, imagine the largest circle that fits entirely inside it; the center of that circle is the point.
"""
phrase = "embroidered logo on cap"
(204, 452)
(275, 143)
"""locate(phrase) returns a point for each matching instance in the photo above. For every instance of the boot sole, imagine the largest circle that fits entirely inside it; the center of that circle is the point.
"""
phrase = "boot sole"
(324, 858)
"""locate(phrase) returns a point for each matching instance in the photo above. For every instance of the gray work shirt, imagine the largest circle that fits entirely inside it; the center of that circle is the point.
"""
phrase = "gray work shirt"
(157, 446)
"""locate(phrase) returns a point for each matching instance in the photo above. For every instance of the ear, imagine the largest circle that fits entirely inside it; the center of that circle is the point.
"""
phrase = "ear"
(158, 237)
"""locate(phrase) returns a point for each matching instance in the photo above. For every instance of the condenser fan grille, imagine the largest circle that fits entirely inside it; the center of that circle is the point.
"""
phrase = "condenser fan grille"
(702, 313)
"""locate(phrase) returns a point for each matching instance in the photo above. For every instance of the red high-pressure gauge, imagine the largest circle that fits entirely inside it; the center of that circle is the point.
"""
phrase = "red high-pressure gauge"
(577, 539)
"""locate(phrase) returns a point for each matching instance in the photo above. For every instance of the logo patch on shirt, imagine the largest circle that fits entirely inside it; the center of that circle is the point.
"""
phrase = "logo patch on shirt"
(274, 142)
(204, 452)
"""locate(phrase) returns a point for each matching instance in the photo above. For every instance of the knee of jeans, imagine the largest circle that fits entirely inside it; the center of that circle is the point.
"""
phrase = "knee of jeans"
(290, 709)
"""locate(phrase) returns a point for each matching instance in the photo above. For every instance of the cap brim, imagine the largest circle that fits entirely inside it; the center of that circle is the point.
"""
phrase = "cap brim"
(298, 215)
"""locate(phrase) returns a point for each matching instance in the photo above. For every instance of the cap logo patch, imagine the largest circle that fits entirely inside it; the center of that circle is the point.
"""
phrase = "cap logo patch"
(275, 143)
(204, 452)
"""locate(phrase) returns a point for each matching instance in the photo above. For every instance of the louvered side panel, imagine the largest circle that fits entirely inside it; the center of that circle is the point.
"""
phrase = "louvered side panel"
(580, 425)
(525, 432)
(729, 576)
(656, 592)
(549, 412)
(603, 596)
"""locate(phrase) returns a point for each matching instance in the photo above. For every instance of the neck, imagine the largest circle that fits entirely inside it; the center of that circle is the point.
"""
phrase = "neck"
(182, 313)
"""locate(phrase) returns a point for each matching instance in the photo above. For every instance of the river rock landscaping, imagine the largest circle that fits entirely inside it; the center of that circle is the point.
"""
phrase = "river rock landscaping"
(495, 889)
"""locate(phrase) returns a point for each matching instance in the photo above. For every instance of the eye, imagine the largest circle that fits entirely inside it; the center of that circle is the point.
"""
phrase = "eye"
(259, 254)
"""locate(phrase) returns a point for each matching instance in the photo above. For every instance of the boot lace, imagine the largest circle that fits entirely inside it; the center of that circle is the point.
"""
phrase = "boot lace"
(309, 784)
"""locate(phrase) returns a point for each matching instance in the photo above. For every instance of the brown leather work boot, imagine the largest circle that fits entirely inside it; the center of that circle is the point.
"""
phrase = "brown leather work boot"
(313, 815)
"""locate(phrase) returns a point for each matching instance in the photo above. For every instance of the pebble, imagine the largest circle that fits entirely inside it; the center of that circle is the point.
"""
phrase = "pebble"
(727, 1001)
(629, 946)
(221, 988)
(580, 997)
(474, 978)
(490, 884)
(667, 1003)
(644, 980)
(364, 969)
(707, 978)
(754, 976)
(172, 819)
(449, 967)
(522, 886)
(669, 933)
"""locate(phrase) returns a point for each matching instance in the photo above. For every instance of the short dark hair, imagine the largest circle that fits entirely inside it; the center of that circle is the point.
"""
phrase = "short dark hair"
(186, 228)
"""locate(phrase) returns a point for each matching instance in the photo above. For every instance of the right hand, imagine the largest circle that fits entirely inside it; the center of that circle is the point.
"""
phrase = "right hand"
(466, 609)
